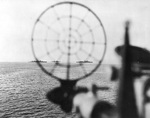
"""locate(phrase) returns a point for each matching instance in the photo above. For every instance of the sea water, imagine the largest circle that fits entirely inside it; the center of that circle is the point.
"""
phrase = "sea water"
(23, 87)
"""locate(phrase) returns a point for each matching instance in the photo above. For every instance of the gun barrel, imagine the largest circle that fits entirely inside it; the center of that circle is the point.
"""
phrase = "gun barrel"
(126, 95)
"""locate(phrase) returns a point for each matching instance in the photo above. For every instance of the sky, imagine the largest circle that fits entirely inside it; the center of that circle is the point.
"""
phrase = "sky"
(18, 17)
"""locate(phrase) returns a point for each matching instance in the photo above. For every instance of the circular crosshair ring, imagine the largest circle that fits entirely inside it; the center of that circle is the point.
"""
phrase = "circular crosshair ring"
(68, 66)
(75, 30)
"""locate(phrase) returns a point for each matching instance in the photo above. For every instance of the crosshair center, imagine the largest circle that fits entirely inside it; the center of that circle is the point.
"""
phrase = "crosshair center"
(70, 42)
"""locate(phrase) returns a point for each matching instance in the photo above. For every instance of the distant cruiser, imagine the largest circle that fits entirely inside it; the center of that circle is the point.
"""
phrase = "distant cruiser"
(39, 61)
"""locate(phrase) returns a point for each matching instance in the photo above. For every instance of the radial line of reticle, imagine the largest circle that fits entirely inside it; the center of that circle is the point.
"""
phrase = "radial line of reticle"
(85, 33)
(82, 20)
(69, 44)
(56, 64)
(46, 45)
(89, 55)
(90, 30)
(81, 35)
(81, 65)
(58, 18)
(48, 27)
(84, 42)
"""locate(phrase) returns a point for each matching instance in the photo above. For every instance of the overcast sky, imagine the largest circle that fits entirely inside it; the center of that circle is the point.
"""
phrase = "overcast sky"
(17, 18)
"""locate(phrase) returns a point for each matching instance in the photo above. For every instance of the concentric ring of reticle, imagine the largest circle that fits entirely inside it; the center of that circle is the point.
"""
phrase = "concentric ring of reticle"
(69, 41)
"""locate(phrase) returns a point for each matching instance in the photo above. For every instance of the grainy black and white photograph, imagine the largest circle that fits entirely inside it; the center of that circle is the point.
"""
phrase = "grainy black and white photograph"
(74, 59)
